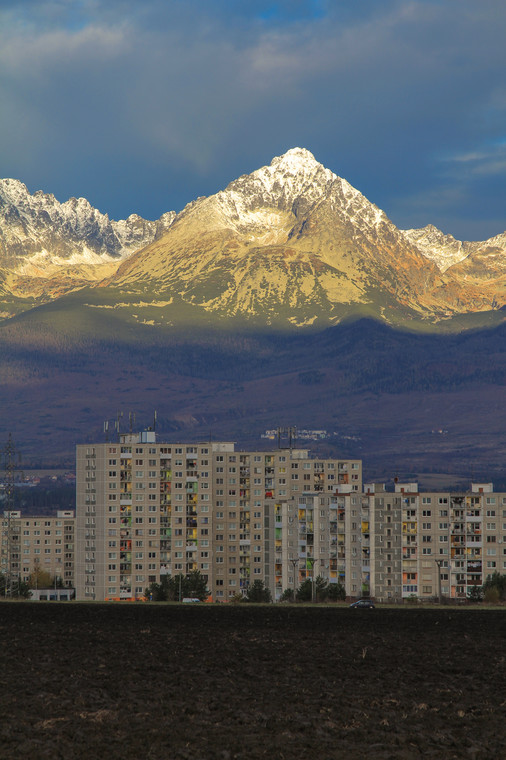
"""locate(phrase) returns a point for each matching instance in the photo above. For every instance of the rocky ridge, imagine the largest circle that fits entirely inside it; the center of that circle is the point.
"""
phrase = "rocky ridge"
(446, 251)
(290, 243)
(47, 247)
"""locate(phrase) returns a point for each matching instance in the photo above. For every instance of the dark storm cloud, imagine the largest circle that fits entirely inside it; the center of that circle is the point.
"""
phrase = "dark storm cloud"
(144, 106)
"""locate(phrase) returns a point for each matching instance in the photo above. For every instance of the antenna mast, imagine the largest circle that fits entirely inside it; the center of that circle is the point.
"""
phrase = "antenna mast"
(287, 432)
(9, 456)
(117, 424)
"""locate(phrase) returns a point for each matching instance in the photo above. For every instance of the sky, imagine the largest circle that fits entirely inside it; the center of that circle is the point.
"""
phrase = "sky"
(143, 106)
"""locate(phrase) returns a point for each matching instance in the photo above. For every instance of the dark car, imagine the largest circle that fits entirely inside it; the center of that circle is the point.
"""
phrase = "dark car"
(363, 604)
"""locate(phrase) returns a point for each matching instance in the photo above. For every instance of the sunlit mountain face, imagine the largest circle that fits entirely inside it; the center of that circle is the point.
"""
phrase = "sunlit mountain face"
(290, 245)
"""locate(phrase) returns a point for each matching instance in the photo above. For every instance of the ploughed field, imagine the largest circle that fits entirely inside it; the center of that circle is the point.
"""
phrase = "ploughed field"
(157, 682)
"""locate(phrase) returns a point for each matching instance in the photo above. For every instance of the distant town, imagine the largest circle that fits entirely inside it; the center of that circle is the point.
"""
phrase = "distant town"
(305, 435)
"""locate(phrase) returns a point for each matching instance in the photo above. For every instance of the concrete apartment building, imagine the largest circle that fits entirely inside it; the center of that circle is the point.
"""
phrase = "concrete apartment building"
(443, 543)
(145, 508)
(41, 542)
(389, 545)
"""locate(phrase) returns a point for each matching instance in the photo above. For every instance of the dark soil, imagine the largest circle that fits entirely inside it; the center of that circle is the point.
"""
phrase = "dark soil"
(157, 682)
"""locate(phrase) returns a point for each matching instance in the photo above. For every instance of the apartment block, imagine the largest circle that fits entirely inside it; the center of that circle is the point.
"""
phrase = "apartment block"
(448, 542)
(392, 545)
(334, 536)
(38, 543)
(147, 508)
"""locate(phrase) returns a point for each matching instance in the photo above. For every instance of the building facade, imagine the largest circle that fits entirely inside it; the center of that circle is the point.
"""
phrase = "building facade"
(392, 545)
(146, 508)
(36, 543)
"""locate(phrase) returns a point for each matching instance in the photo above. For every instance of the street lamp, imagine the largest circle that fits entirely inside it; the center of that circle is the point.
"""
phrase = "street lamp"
(313, 561)
(295, 562)
(439, 563)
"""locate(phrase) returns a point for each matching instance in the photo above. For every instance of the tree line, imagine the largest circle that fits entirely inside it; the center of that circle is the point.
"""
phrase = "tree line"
(38, 578)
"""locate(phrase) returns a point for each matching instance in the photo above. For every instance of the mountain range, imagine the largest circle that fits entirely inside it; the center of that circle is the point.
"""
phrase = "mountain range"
(286, 298)
(291, 244)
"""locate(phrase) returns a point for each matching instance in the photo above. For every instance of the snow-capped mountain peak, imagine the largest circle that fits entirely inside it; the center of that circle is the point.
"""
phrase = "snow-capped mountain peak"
(443, 249)
(292, 240)
(39, 235)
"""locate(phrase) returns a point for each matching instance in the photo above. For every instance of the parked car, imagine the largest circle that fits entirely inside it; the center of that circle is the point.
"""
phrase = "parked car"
(363, 604)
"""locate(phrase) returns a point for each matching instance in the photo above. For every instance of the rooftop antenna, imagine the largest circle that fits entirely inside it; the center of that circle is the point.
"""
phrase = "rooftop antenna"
(155, 417)
(9, 455)
(117, 425)
(106, 431)
(287, 432)
(131, 421)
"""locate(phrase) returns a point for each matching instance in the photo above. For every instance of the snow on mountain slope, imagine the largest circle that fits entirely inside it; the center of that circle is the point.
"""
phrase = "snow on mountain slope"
(443, 249)
(292, 237)
(39, 236)
(447, 252)
(291, 242)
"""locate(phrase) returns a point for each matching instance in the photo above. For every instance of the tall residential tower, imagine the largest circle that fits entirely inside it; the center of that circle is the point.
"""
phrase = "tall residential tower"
(146, 508)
